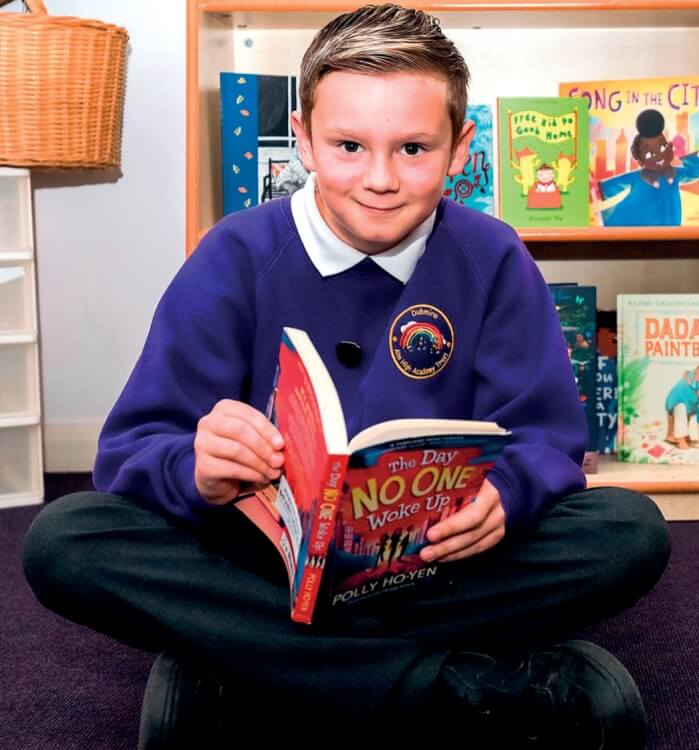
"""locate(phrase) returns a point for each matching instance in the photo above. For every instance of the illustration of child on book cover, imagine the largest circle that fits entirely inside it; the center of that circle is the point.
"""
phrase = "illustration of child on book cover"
(543, 162)
(644, 137)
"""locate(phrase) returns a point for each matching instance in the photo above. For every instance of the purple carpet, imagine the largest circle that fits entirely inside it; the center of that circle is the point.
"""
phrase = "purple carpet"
(63, 687)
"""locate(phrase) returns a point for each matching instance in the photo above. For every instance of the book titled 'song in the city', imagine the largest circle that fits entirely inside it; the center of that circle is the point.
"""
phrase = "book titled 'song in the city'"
(350, 517)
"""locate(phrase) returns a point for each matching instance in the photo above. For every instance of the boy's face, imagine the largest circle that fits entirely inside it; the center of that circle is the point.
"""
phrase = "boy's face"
(381, 147)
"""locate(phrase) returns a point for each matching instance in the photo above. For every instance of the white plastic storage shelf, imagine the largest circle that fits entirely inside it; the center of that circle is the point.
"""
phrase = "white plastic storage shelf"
(21, 459)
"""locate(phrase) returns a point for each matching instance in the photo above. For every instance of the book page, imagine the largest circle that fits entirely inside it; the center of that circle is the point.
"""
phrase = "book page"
(398, 429)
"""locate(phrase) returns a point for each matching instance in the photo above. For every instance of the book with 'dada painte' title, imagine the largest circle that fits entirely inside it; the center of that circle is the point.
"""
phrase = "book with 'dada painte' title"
(658, 378)
(349, 518)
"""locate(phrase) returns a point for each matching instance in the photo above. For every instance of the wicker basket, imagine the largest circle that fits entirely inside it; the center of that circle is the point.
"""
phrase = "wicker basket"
(61, 90)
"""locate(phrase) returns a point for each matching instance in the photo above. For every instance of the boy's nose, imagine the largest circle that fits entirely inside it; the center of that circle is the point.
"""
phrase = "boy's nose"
(380, 175)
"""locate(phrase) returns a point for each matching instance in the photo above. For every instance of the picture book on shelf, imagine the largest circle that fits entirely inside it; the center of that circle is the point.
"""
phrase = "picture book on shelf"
(576, 308)
(658, 378)
(606, 396)
(258, 148)
(543, 161)
(473, 187)
(644, 135)
(349, 518)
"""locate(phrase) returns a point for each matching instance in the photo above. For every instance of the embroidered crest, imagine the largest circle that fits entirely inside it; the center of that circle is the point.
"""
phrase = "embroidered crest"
(421, 339)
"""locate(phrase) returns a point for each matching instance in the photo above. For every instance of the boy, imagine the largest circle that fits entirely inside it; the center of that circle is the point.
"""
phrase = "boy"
(165, 562)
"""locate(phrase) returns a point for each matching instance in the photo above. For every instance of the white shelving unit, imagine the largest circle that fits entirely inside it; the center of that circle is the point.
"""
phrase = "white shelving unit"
(21, 459)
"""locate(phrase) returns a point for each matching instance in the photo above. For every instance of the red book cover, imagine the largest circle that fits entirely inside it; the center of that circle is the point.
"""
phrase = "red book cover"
(394, 493)
(347, 533)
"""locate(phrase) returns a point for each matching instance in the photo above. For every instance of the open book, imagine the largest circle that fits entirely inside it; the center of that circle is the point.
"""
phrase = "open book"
(349, 518)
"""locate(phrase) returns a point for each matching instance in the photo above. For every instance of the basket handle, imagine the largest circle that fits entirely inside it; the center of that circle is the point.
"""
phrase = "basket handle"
(36, 7)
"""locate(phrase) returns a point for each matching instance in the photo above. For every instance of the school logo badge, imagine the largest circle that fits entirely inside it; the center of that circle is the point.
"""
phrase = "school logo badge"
(421, 340)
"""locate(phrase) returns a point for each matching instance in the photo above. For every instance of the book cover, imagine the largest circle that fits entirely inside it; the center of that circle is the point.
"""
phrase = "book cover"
(576, 308)
(606, 404)
(474, 186)
(606, 394)
(658, 378)
(258, 148)
(644, 135)
(543, 161)
(392, 495)
(349, 518)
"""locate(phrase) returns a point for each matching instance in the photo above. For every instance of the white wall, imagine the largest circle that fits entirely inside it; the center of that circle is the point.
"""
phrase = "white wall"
(106, 248)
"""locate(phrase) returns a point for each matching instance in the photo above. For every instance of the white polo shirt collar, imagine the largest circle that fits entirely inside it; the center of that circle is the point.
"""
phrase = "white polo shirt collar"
(330, 255)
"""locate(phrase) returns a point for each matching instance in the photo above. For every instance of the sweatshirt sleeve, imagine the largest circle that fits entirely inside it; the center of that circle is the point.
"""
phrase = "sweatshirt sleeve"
(525, 382)
(197, 352)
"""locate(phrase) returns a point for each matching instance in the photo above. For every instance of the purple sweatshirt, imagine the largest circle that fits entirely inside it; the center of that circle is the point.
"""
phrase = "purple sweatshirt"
(216, 331)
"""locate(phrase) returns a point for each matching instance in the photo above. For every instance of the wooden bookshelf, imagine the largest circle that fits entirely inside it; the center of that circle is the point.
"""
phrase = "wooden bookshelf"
(674, 488)
(511, 47)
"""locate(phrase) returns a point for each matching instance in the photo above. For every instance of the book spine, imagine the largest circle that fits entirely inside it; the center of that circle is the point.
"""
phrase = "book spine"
(315, 547)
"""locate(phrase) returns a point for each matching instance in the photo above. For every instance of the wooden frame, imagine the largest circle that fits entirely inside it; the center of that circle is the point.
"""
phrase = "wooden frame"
(544, 243)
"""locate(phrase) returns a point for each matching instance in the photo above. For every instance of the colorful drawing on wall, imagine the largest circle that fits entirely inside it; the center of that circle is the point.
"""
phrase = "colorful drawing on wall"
(473, 187)
(543, 161)
(259, 158)
(644, 136)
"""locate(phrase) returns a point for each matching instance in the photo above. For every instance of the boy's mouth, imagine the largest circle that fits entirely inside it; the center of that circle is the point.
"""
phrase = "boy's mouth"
(378, 209)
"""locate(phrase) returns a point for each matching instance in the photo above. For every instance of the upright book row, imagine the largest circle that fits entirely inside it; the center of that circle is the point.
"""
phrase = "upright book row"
(638, 375)
(602, 153)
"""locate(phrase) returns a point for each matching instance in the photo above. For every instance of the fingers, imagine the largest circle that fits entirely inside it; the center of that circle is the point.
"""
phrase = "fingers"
(235, 443)
(216, 469)
(237, 432)
(244, 447)
(239, 412)
(464, 545)
(473, 529)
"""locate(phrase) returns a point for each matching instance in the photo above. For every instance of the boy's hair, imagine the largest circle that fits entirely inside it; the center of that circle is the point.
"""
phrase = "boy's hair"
(381, 39)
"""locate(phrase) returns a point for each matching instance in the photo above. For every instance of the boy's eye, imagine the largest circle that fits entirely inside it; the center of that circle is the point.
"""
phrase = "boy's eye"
(663, 148)
(413, 149)
(351, 147)
(648, 155)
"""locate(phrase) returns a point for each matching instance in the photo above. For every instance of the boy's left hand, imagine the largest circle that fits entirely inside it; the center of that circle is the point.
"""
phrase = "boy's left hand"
(475, 528)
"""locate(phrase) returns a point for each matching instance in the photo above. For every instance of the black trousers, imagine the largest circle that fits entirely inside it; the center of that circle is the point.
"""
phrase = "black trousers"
(221, 596)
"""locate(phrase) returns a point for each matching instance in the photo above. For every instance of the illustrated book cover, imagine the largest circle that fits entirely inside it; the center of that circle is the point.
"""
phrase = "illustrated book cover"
(349, 518)
(543, 160)
(473, 187)
(658, 378)
(606, 396)
(644, 136)
(258, 148)
(576, 308)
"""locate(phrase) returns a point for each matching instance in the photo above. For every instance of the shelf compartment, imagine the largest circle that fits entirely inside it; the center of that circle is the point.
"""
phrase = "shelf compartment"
(19, 394)
(21, 479)
(17, 302)
(586, 40)
(15, 210)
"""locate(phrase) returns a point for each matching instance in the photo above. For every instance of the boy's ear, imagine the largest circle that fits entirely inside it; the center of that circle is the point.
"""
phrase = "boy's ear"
(303, 140)
(460, 151)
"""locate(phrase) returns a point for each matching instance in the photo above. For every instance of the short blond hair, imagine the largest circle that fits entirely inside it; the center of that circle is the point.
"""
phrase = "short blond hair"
(381, 39)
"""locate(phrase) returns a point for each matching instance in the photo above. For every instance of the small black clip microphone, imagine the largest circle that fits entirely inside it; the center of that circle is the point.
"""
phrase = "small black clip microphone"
(349, 353)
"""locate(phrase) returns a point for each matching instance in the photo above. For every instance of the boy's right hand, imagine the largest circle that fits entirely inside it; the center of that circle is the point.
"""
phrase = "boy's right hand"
(235, 443)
